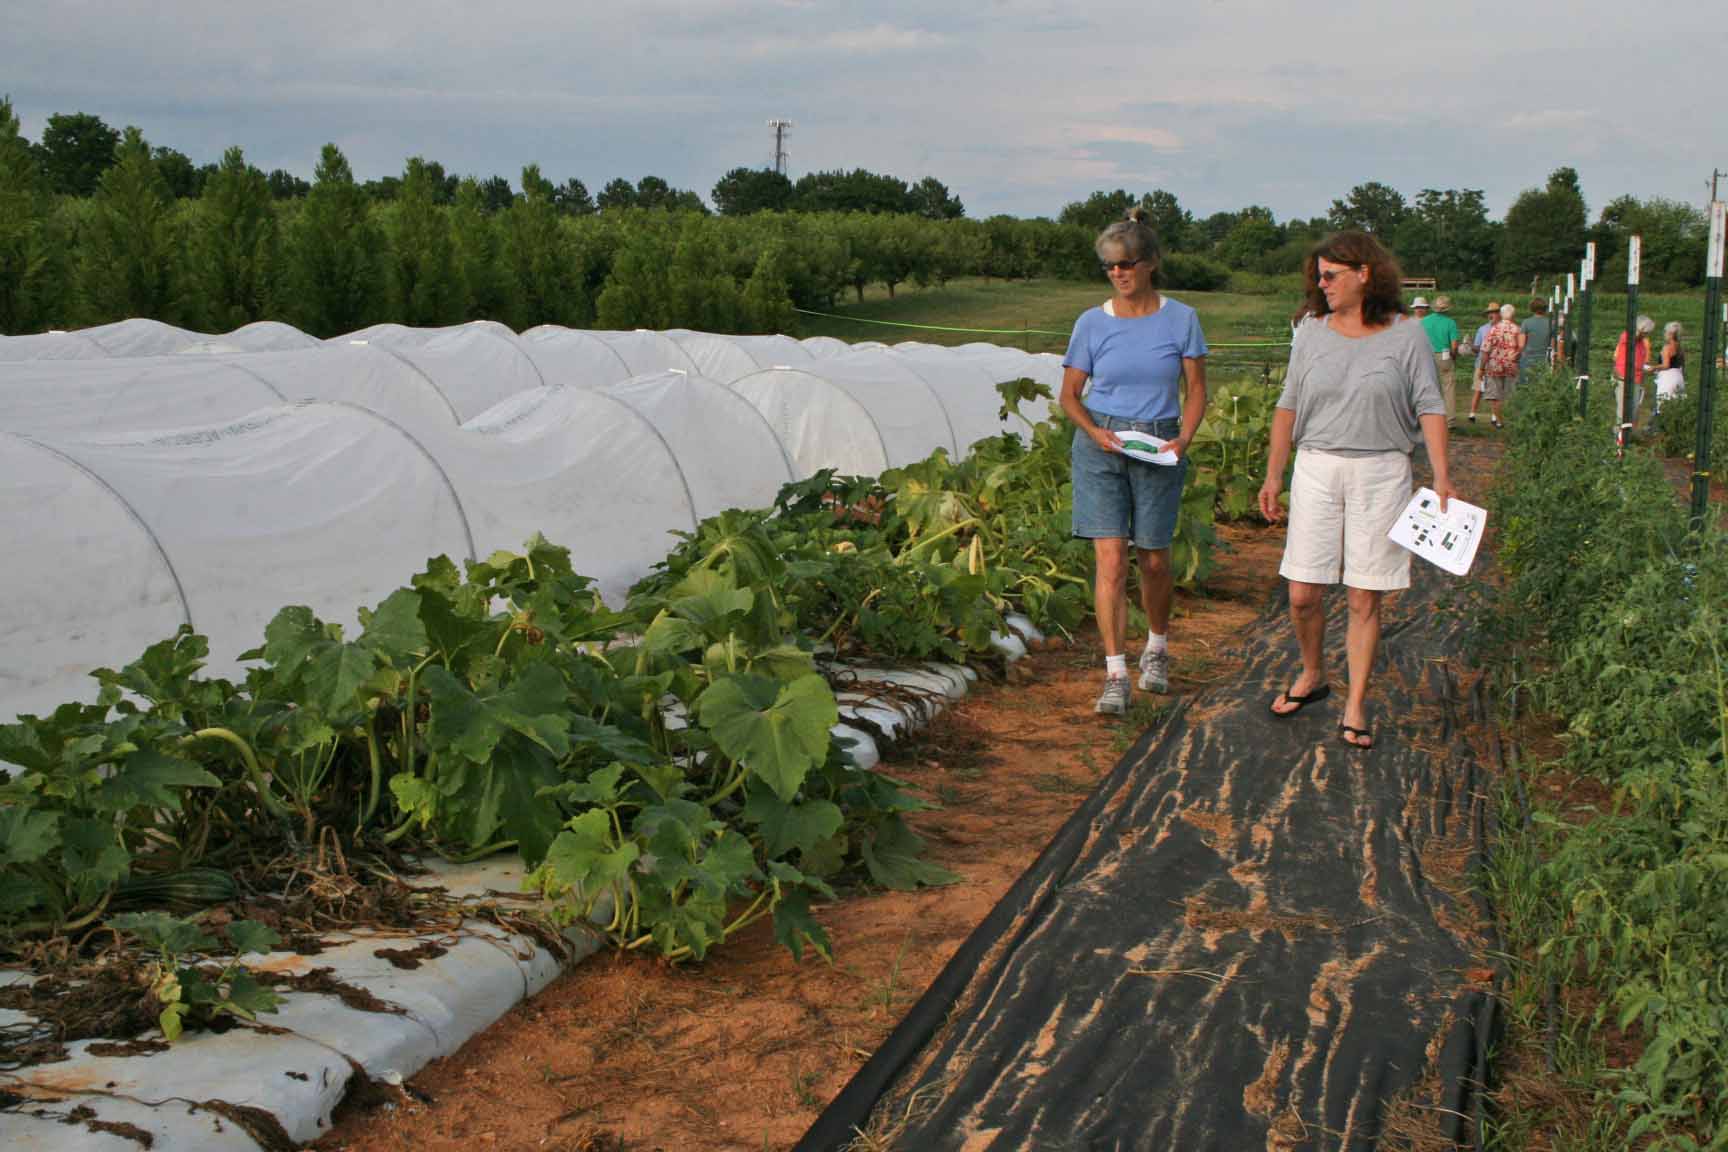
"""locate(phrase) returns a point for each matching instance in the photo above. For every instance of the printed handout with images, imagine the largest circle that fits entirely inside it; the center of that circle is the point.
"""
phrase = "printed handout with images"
(1449, 539)
(1145, 446)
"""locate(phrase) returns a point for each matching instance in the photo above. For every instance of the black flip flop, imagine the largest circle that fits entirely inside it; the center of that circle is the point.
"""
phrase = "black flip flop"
(1301, 702)
(1346, 731)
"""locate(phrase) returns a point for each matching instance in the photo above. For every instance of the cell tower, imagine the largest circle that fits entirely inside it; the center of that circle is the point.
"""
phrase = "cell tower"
(780, 127)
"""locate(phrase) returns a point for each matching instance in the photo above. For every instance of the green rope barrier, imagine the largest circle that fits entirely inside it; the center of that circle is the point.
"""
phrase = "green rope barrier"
(1006, 331)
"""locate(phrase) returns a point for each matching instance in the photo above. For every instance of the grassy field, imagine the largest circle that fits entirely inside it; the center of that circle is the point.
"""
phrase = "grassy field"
(1022, 313)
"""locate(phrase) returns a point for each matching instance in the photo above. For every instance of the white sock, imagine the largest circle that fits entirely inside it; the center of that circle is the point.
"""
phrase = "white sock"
(1157, 643)
(1116, 666)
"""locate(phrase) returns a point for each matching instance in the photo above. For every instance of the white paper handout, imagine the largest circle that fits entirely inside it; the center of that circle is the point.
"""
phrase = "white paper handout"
(1144, 446)
(1447, 540)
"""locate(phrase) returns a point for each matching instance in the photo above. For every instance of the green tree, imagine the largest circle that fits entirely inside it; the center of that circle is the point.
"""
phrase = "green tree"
(382, 190)
(126, 258)
(638, 287)
(474, 233)
(183, 178)
(571, 198)
(766, 302)
(23, 214)
(542, 272)
(284, 185)
(497, 193)
(1372, 207)
(426, 288)
(1098, 211)
(1447, 235)
(701, 291)
(931, 199)
(1173, 223)
(903, 247)
(743, 191)
(1544, 231)
(1250, 238)
(618, 193)
(1674, 238)
(234, 252)
(77, 149)
(855, 191)
(333, 252)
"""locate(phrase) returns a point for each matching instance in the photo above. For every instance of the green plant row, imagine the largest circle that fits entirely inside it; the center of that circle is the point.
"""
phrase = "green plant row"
(669, 765)
(1628, 612)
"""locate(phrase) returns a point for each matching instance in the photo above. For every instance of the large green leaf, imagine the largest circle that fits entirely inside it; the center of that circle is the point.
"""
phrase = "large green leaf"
(394, 629)
(583, 856)
(509, 799)
(165, 669)
(27, 835)
(785, 827)
(779, 731)
(892, 858)
(93, 860)
(252, 936)
(472, 725)
(794, 927)
(291, 636)
(149, 779)
(336, 673)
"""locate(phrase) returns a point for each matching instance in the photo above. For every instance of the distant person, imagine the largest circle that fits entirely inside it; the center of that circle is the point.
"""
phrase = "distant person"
(1360, 392)
(1443, 338)
(1501, 355)
(1146, 358)
(1538, 332)
(1492, 312)
(1671, 377)
(1640, 361)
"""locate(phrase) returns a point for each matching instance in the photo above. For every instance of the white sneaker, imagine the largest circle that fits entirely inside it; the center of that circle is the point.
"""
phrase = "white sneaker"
(1113, 701)
(1155, 671)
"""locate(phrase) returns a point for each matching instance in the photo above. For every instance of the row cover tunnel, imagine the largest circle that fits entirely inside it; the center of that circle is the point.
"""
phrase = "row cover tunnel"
(151, 476)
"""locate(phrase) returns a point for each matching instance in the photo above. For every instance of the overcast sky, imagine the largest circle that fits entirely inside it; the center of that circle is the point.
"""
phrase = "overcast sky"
(1018, 106)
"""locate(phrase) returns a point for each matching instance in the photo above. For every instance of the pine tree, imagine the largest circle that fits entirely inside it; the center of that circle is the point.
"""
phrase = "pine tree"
(127, 254)
(475, 236)
(637, 289)
(766, 303)
(702, 293)
(333, 253)
(234, 250)
(23, 211)
(426, 288)
(543, 273)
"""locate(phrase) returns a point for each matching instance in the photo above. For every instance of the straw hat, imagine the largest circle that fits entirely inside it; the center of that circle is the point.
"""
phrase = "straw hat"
(1442, 303)
(1419, 302)
(1493, 307)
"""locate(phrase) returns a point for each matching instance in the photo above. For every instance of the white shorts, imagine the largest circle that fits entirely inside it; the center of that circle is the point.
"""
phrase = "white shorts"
(1341, 509)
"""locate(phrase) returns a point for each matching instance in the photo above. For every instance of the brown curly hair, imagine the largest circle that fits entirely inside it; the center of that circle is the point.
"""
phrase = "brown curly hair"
(1383, 296)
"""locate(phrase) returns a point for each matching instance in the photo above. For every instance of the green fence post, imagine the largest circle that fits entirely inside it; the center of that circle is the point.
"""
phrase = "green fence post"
(1707, 371)
(1629, 377)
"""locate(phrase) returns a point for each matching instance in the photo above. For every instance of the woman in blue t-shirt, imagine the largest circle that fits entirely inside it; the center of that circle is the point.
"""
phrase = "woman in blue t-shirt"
(1146, 358)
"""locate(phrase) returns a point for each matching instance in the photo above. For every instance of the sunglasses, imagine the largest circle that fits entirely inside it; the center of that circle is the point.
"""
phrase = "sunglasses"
(1118, 265)
(1330, 275)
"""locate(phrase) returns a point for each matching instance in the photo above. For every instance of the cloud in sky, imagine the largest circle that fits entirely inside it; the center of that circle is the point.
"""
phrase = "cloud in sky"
(1018, 106)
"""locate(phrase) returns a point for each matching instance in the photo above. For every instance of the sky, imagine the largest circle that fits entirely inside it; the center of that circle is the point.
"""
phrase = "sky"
(1019, 107)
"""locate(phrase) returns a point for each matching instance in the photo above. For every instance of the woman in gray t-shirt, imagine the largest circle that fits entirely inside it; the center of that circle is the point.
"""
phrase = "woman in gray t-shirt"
(1361, 391)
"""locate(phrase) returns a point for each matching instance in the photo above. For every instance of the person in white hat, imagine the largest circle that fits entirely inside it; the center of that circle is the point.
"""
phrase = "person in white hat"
(1443, 336)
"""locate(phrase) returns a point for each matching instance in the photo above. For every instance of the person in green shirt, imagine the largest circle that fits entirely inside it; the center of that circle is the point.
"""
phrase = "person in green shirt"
(1443, 338)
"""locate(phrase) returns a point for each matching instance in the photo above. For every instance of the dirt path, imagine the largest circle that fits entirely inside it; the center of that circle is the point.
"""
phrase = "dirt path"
(744, 1051)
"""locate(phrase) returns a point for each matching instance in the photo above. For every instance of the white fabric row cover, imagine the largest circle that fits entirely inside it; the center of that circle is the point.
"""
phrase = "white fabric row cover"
(214, 488)
(151, 338)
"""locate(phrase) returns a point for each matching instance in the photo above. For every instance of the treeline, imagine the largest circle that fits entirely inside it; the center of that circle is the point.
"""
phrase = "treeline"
(1446, 234)
(337, 259)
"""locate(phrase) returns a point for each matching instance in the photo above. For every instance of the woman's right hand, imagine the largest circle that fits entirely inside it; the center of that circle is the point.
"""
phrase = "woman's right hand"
(1269, 506)
(1106, 440)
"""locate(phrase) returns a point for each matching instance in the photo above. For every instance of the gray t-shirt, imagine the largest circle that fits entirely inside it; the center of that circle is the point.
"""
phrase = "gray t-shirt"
(1536, 333)
(1363, 395)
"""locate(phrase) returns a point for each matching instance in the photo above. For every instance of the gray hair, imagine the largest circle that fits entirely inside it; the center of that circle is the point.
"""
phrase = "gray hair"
(1134, 238)
(1507, 311)
(1672, 330)
(1646, 325)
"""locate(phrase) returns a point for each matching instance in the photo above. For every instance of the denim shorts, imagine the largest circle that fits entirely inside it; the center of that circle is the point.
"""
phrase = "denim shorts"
(1119, 498)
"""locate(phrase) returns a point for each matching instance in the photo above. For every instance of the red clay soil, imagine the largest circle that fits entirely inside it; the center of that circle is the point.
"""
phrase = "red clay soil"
(742, 1052)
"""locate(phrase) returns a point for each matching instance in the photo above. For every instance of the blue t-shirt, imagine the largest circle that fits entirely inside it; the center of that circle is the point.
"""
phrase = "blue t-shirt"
(1136, 364)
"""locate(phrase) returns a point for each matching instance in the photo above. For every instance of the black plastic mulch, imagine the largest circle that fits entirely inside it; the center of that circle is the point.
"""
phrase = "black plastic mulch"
(1248, 937)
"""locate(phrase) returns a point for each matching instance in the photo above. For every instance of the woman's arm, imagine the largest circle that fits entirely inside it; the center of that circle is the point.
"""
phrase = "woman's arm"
(1073, 380)
(1434, 435)
(1277, 458)
(1193, 403)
